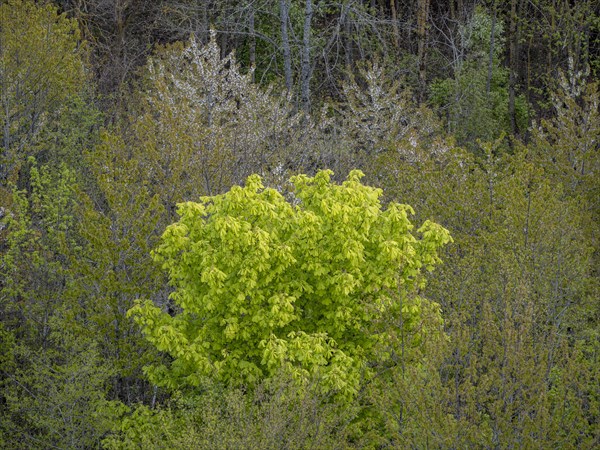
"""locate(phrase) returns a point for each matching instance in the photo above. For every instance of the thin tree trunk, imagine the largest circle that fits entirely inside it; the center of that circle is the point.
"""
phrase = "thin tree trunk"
(284, 13)
(348, 39)
(252, 32)
(550, 49)
(512, 65)
(395, 23)
(491, 57)
(460, 8)
(205, 31)
(422, 14)
(306, 72)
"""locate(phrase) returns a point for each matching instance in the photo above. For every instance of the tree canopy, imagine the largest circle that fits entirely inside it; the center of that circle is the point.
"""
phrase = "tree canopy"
(263, 284)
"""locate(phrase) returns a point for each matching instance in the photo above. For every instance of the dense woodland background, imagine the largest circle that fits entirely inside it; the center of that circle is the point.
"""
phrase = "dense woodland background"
(480, 114)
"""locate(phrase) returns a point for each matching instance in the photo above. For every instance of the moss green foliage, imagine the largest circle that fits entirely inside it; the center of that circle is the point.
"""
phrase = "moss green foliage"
(272, 416)
(53, 379)
(34, 268)
(56, 396)
(517, 294)
(151, 299)
(41, 70)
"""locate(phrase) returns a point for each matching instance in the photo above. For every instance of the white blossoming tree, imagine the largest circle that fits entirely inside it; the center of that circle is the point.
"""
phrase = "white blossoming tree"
(203, 125)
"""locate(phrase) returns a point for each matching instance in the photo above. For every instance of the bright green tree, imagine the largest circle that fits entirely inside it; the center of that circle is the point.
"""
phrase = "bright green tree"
(321, 286)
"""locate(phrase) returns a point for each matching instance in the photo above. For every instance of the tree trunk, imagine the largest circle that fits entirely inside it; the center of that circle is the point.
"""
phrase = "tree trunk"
(395, 23)
(284, 15)
(460, 9)
(422, 14)
(305, 71)
(491, 56)
(512, 65)
(252, 32)
(348, 50)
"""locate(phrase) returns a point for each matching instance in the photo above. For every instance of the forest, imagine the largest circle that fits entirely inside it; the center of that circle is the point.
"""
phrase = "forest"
(294, 224)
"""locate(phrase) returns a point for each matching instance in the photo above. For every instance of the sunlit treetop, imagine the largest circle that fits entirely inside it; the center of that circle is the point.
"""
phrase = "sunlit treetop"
(321, 285)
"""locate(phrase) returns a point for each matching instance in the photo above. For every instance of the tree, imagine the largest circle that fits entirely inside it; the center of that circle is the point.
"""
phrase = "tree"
(284, 12)
(56, 397)
(41, 69)
(422, 17)
(122, 32)
(380, 127)
(476, 100)
(34, 263)
(203, 125)
(326, 285)
(273, 415)
(52, 380)
(306, 62)
(518, 296)
(553, 36)
(567, 144)
(118, 222)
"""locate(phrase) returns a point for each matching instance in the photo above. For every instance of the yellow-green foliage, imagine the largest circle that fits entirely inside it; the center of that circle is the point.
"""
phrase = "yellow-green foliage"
(264, 284)
(41, 66)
